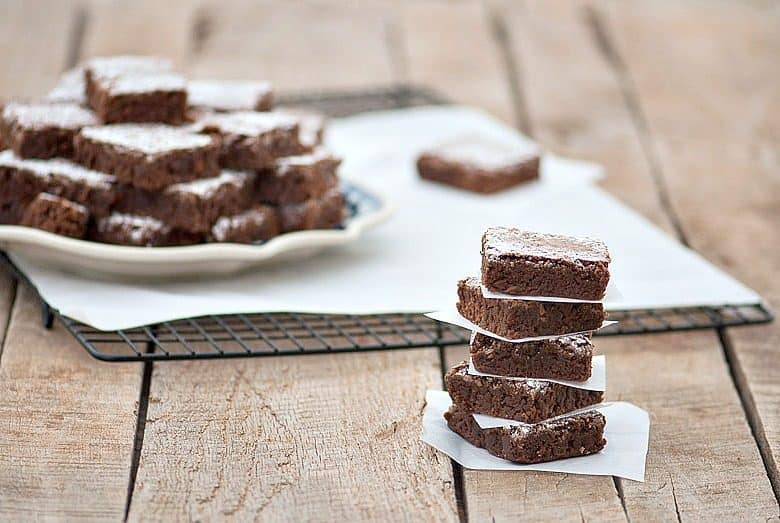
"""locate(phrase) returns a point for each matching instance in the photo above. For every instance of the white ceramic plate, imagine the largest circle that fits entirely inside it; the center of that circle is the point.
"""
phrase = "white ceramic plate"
(365, 211)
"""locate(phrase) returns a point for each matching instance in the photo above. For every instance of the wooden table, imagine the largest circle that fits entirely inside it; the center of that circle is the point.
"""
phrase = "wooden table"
(680, 101)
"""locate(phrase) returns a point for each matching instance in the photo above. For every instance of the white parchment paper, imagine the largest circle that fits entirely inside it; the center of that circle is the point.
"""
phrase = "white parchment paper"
(411, 263)
(627, 433)
(597, 380)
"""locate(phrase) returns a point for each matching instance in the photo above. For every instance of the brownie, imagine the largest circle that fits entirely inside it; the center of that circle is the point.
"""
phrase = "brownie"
(564, 358)
(139, 97)
(148, 156)
(295, 179)
(477, 165)
(56, 215)
(326, 212)
(536, 264)
(515, 319)
(191, 206)
(69, 89)
(42, 130)
(256, 224)
(139, 231)
(311, 126)
(527, 400)
(230, 95)
(22, 180)
(568, 437)
(251, 139)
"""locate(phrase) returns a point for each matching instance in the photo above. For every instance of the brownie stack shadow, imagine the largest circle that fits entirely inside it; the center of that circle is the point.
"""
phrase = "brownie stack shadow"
(124, 150)
(531, 385)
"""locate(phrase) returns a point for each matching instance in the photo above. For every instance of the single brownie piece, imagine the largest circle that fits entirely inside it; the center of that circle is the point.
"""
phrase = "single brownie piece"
(295, 179)
(43, 130)
(251, 139)
(311, 126)
(478, 165)
(191, 206)
(230, 95)
(516, 319)
(56, 215)
(326, 212)
(536, 264)
(70, 88)
(98, 70)
(527, 400)
(569, 437)
(22, 180)
(564, 358)
(256, 224)
(139, 97)
(139, 231)
(148, 156)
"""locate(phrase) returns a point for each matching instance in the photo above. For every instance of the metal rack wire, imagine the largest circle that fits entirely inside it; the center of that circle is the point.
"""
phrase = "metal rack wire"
(242, 335)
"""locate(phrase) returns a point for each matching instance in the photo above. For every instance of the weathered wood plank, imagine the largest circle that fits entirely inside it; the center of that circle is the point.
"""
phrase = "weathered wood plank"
(454, 48)
(712, 111)
(293, 439)
(68, 424)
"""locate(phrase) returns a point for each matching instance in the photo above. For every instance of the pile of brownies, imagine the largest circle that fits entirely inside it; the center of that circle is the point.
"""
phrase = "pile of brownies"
(512, 379)
(126, 151)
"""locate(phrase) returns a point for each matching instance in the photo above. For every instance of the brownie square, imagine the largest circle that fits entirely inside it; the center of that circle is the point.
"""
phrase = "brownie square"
(70, 88)
(326, 212)
(22, 180)
(139, 231)
(125, 98)
(256, 224)
(251, 139)
(311, 126)
(477, 165)
(56, 215)
(148, 156)
(564, 358)
(527, 400)
(535, 264)
(192, 206)
(42, 130)
(569, 437)
(516, 319)
(230, 95)
(295, 179)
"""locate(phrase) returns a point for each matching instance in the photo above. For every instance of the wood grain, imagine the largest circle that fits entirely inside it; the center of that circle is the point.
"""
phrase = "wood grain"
(713, 113)
(68, 424)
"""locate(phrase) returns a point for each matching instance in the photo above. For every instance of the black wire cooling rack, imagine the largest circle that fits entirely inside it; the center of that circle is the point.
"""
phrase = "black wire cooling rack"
(241, 335)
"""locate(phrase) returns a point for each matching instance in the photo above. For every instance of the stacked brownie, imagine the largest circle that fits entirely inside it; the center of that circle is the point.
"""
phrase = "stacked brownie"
(124, 150)
(539, 298)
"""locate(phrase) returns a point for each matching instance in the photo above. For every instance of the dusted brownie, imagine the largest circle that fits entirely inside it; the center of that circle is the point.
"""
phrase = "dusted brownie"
(564, 358)
(569, 437)
(230, 95)
(326, 212)
(515, 319)
(70, 88)
(56, 215)
(139, 231)
(536, 264)
(42, 130)
(311, 126)
(22, 180)
(250, 139)
(529, 400)
(256, 224)
(158, 97)
(478, 165)
(295, 179)
(148, 156)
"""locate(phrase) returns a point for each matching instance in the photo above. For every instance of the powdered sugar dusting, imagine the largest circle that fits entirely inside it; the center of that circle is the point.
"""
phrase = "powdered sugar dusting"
(509, 241)
(37, 116)
(227, 95)
(134, 83)
(319, 154)
(110, 66)
(147, 138)
(57, 167)
(225, 224)
(207, 187)
(247, 123)
(478, 152)
(50, 198)
(70, 88)
(139, 229)
(310, 126)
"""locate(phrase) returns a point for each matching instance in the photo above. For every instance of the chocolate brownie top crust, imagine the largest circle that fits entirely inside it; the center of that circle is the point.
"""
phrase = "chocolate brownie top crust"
(478, 153)
(246, 123)
(112, 66)
(229, 95)
(133, 230)
(70, 88)
(47, 169)
(319, 156)
(508, 241)
(42, 116)
(142, 83)
(150, 139)
(207, 187)
(311, 126)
